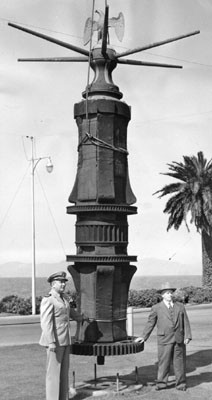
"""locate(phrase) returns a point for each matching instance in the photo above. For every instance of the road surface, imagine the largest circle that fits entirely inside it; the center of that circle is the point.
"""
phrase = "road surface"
(26, 330)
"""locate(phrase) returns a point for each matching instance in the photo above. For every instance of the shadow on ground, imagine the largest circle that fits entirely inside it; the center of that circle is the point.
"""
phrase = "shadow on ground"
(197, 360)
(148, 373)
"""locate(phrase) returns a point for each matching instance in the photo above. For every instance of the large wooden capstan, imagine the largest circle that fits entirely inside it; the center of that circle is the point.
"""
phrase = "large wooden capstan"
(101, 197)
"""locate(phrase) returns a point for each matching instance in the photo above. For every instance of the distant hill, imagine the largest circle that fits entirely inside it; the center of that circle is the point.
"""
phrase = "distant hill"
(18, 269)
(154, 266)
(145, 267)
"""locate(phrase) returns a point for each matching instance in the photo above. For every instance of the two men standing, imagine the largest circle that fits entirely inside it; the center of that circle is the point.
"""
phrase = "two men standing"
(173, 334)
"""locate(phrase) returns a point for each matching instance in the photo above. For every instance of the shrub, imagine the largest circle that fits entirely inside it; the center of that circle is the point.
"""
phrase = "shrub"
(143, 298)
(198, 295)
(18, 305)
(149, 297)
(23, 306)
(181, 296)
(137, 298)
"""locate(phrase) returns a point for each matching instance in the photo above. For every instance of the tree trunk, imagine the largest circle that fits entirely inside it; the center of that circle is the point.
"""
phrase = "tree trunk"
(206, 259)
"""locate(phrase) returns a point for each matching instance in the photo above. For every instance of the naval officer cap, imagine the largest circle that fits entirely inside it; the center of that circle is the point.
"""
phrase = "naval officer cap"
(58, 276)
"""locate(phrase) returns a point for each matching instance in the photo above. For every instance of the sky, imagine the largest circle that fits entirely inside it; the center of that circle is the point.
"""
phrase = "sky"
(171, 117)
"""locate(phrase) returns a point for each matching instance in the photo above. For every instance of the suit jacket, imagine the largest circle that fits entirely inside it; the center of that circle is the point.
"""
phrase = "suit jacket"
(55, 314)
(169, 330)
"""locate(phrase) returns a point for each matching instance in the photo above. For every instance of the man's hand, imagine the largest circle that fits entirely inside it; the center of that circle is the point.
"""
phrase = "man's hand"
(85, 318)
(186, 341)
(139, 340)
(52, 347)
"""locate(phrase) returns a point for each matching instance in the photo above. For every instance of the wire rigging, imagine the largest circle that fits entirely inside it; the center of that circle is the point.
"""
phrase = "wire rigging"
(89, 64)
(179, 248)
(13, 198)
(24, 148)
(179, 59)
(176, 117)
(39, 27)
(51, 214)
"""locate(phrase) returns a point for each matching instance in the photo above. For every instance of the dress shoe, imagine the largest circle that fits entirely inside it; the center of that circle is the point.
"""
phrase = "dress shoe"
(181, 387)
(160, 387)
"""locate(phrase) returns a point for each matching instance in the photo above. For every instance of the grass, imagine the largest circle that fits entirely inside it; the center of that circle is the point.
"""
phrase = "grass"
(22, 372)
(22, 368)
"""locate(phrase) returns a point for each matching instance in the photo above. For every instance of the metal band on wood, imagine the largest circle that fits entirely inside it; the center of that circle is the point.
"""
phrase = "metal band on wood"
(101, 143)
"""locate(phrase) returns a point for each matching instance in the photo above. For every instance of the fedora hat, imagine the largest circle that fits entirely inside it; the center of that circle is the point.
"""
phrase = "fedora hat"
(166, 286)
(58, 276)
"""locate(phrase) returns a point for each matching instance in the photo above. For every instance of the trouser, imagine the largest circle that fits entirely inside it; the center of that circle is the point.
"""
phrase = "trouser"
(57, 370)
(168, 353)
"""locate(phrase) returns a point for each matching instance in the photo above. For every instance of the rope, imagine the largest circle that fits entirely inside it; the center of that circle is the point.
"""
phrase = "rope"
(101, 143)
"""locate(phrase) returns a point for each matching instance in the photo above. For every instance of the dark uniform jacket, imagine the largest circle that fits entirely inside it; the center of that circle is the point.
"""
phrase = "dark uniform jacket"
(170, 328)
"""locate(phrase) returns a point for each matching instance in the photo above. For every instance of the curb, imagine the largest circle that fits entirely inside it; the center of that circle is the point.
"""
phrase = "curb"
(35, 319)
(20, 320)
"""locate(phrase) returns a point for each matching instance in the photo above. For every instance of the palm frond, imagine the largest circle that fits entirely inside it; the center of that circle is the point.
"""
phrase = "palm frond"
(193, 192)
(173, 187)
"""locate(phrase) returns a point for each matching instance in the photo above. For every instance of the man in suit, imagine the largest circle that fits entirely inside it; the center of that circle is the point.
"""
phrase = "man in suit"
(55, 313)
(173, 334)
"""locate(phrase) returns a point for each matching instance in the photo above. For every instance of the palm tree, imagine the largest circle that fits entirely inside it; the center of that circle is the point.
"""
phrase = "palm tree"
(193, 196)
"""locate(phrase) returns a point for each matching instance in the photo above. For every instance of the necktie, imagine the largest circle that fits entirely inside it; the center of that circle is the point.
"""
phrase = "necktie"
(171, 312)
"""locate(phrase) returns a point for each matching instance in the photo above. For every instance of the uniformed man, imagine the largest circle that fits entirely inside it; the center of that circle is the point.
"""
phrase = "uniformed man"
(55, 313)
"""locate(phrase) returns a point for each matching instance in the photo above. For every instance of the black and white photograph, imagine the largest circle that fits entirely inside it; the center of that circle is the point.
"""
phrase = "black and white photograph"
(106, 199)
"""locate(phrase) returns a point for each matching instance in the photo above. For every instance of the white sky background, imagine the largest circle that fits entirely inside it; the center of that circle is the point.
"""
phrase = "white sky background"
(171, 117)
